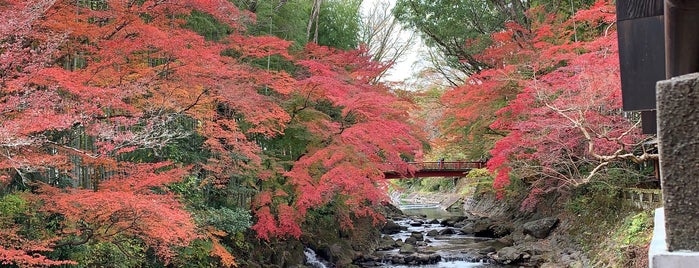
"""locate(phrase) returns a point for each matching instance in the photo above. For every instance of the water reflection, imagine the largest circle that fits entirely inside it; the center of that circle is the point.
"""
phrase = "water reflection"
(430, 211)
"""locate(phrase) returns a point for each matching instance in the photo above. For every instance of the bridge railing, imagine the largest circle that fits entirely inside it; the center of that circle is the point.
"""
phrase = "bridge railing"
(437, 169)
(443, 165)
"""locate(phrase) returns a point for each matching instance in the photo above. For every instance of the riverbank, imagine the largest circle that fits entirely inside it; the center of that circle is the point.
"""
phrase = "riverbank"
(590, 228)
(483, 233)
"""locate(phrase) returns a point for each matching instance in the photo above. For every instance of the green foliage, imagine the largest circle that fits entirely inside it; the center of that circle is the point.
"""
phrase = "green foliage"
(127, 253)
(624, 242)
(404, 184)
(206, 25)
(437, 184)
(449, 26)
(606, 225)
(274, 63)
(478, 173)
(595, 200)
(12, 205)
(338, 24)
(286, 20)
(289, 146)
(636, 228)
(190, 188)
(225, 219)
(481, 179)
(197, 254)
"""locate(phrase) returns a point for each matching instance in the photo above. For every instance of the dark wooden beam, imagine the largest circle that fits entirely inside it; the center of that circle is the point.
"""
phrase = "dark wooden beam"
(641, 55)
(427, 174)
(681, 37)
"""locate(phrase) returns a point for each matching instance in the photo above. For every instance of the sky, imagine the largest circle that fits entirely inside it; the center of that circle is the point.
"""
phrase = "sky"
(404, 68)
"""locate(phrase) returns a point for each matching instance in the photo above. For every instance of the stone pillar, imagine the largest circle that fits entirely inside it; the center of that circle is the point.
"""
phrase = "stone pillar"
(678, 136)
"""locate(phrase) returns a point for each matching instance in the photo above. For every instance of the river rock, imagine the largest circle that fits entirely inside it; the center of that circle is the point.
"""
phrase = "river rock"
(426, 258)
(506, 241)
(411, 240)
(387, 243)
(339, 253)
(480, 228)
(416, 223)
(407, 249)
(486, 250)
(446, 231)
(452, 220)
(432, 233)
(418, 236)
(390, 227)
(550, 265)
(500, 229)
(540, 228)
(508, 255)
(433, 221)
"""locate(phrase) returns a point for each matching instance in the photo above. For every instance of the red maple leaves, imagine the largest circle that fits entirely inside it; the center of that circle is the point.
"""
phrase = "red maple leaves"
(93, 93)
(369, 134)
(556, 96)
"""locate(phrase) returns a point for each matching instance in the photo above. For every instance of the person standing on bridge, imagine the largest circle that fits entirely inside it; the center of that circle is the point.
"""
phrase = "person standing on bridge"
(441, 163)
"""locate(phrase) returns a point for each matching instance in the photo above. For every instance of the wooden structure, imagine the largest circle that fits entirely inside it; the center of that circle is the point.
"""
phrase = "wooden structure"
(437, 169)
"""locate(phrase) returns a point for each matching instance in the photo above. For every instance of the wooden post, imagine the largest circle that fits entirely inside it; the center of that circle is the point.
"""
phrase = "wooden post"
(681, 37)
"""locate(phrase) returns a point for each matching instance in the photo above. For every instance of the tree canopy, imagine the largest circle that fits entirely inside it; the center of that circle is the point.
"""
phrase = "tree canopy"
(129, 125)
(160, 132)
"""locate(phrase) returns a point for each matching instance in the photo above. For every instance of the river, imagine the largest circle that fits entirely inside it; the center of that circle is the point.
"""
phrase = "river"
(455, 250)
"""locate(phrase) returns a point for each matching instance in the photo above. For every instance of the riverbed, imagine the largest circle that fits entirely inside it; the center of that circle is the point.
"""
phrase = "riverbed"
(453, 248)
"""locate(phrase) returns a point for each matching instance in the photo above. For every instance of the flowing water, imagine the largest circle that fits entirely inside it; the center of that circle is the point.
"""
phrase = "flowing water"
(313, 261)
(453, 248)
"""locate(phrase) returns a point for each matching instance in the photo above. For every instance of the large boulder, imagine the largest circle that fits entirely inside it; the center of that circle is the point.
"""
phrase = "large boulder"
(453, 220)
(407, 249)
(390, 227)
(386, 243)
(501, 229)
(508, 255)
(339, 253)
(432, 233)
(446, 231)
(481, 228)
(416, 223)
(426, 258)
(418, 236)
(540, 228)
(411, 240)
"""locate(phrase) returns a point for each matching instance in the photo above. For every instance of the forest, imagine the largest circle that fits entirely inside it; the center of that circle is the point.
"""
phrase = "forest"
(194, 133)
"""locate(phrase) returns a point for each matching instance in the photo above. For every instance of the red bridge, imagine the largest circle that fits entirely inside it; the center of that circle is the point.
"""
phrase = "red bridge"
(437, 169)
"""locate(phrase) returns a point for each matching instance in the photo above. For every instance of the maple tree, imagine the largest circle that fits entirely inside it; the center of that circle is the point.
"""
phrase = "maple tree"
(364, 134)
(88, 83)
(556, 100)
(107, 106)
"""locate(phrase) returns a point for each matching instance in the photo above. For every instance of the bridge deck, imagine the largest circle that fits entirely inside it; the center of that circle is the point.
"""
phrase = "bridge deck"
(437, 169)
